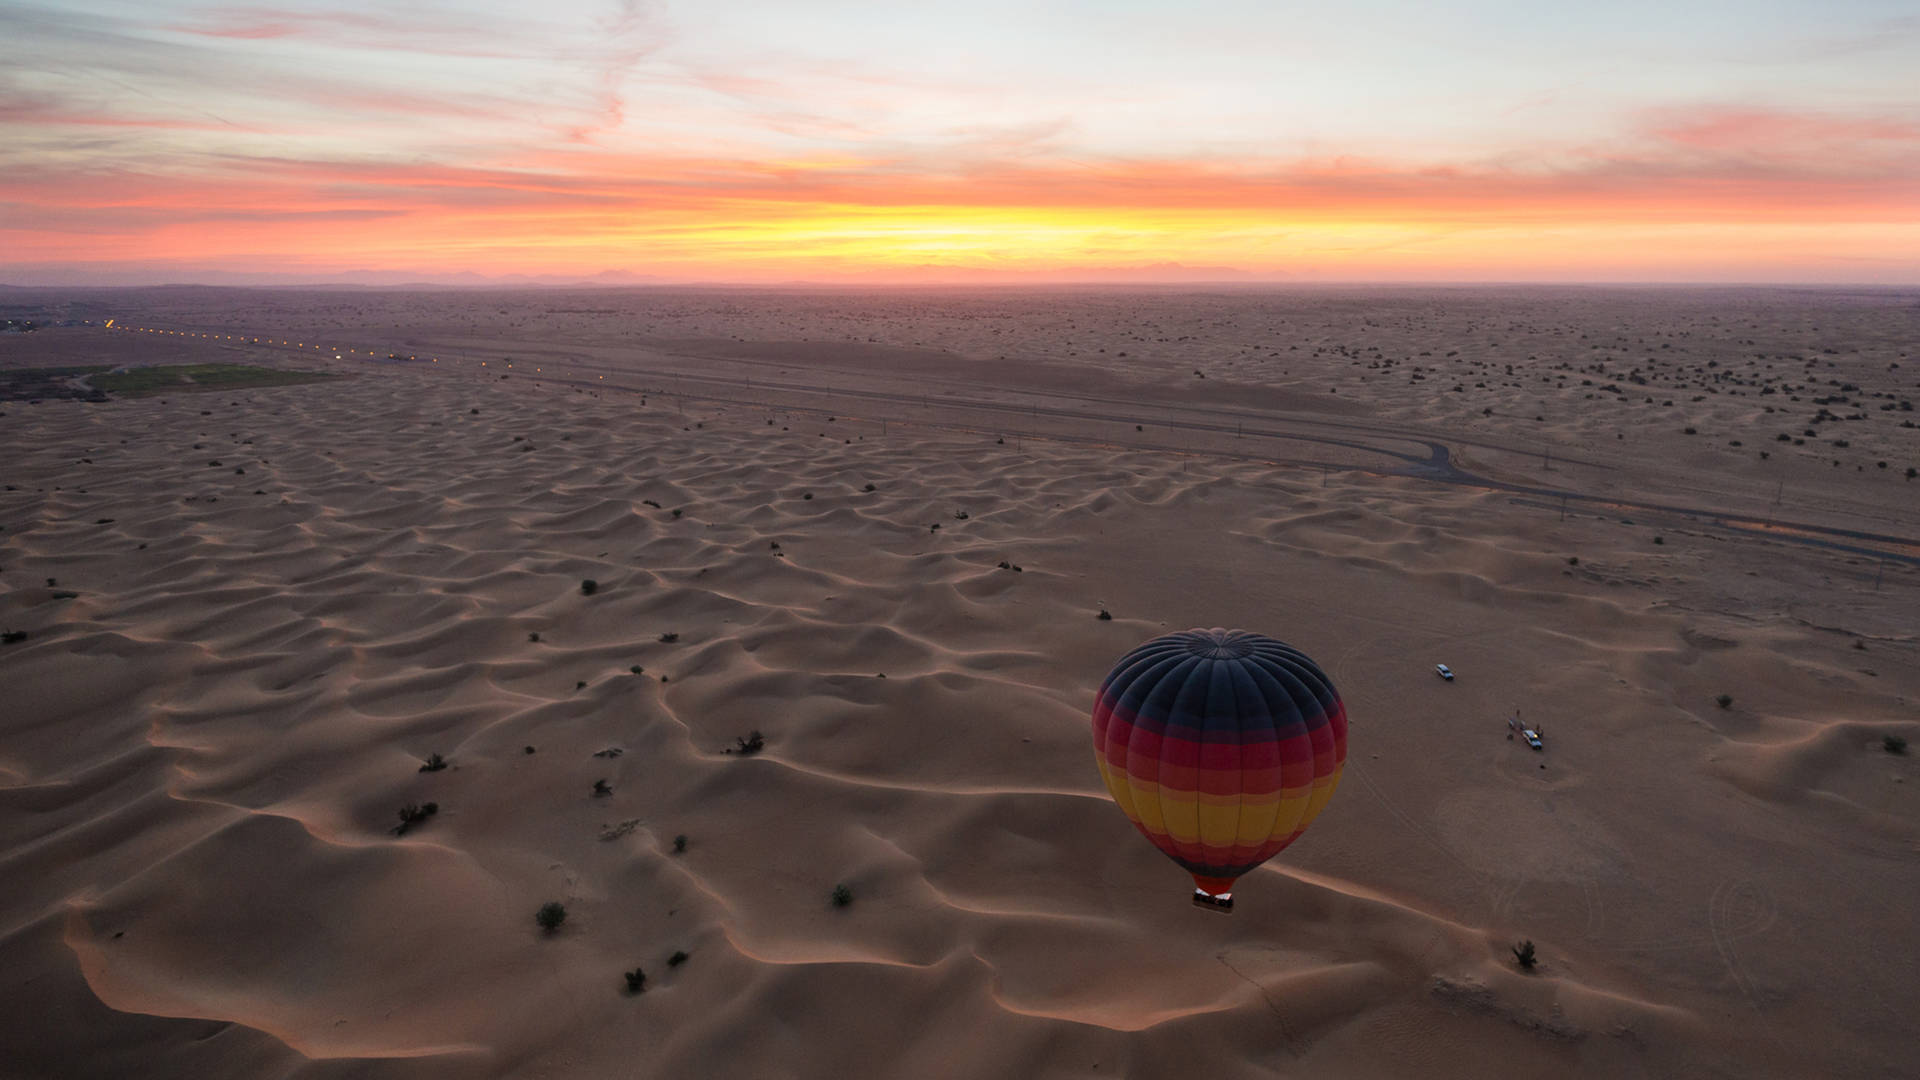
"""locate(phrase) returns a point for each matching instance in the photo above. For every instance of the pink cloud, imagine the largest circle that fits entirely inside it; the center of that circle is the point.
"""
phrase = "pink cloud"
(1827, 142)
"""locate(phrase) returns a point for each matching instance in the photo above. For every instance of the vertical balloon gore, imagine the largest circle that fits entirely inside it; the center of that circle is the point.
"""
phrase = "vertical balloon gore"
(1220, 746)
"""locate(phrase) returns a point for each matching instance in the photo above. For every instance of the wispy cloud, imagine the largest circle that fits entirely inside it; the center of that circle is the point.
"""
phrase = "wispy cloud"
(451, 136)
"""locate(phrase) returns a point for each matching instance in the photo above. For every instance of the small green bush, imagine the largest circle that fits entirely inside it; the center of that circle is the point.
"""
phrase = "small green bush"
(551, 915)
(1894, 744)
(1725, 700)
(636, 981)
(589, 587)
(842, 896)
(434, 763)
(676, 959)
(680, 844)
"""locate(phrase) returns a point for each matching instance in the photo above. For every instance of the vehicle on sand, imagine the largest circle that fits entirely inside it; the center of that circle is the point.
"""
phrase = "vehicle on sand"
(1531, 734)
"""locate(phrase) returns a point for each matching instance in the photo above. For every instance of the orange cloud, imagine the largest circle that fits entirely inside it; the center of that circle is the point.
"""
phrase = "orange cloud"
(1696, 192)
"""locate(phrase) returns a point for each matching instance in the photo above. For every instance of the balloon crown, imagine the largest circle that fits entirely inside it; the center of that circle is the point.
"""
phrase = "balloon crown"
(1218, 644)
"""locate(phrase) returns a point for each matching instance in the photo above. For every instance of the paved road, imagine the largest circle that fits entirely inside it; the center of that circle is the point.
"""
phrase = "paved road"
(1435, 464)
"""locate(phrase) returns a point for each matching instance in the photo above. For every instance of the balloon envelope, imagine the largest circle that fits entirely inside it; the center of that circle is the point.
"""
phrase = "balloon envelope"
(1221, 746)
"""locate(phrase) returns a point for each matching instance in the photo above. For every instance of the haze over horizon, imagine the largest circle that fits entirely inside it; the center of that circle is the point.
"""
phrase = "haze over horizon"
(755, 142)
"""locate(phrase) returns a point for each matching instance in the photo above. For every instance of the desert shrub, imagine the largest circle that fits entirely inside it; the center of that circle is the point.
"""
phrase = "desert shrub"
(1523, 953)
(411, 815)
(534, 636)
(1725, 700)
(434, 763)
(1894, 744)
(869, 487)
(669, 638)
(600, 789)
(589, 587)
(752, 744)
(680, 844)
(1105, 615)
(636, 981)
(842, 896)
(676, 959)
(551, 915)
(1660, 540)
(12, 637)
(636, 669)
(1573, 560)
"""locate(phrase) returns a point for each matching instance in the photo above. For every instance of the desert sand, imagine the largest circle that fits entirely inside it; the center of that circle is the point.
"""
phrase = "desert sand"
(879, 529)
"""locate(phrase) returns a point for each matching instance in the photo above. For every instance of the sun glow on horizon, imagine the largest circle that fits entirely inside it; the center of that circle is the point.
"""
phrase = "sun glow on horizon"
(739, 141)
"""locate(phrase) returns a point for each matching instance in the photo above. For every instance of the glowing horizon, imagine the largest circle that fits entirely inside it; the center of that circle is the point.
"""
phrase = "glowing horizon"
(757, 142)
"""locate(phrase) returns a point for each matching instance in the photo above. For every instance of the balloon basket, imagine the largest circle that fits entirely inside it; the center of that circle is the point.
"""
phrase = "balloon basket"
(1222, 903)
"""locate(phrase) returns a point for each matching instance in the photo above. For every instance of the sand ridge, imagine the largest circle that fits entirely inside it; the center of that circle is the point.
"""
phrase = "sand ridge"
(206, 748)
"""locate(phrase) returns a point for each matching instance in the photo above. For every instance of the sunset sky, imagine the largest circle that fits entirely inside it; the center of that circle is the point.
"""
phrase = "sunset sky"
(761, 141)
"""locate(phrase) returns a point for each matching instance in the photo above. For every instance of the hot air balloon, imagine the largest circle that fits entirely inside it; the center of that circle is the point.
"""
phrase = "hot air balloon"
(1221, 746)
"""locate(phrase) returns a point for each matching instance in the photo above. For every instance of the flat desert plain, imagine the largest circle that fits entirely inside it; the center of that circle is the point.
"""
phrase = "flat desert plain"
(1678, 530)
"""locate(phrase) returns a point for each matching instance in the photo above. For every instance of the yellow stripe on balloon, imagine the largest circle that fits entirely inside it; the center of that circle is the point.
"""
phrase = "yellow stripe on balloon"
(1322, 791)
(1181, 816)
(1116, 786)
(1256, 822)
(1146, 805)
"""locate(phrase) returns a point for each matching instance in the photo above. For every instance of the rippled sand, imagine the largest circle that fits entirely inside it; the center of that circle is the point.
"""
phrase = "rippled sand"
(286, 599)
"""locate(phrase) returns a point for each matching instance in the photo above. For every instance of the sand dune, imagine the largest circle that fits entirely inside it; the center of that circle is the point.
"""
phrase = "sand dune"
(286, 599)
